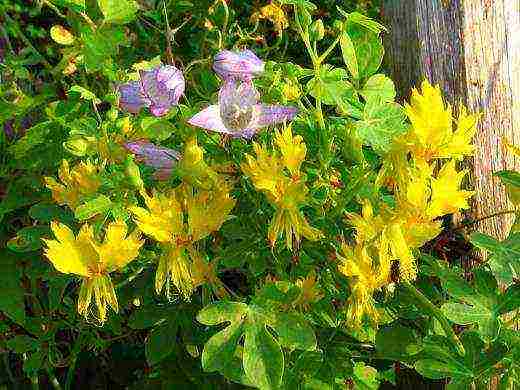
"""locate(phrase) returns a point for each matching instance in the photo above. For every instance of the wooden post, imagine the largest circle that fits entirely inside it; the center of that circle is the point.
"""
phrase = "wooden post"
(472, 49)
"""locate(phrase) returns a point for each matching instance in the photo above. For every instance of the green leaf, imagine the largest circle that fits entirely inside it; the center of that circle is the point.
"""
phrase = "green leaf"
(262, 357)
(368, 49)
(397, 342)
(349, 54)
(219, 351)
(147, 317)
(118, 11)
(100, 46)
(85, 94)
(365, 377)
(22, 344)
(157, 129)
(34, 136)
(363, 20)
(436, 369)
(332, 86)
(463, 314)
(379, 87)
(509, 177)
(161, 342)
(34, 362)
(381, 124)
(99, 205)
(47, 212)
(12, 296)
(29, 238)
(509, 300)
(505, 256)
(294, 332)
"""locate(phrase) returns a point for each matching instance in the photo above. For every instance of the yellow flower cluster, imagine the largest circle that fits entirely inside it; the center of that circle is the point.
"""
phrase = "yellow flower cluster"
(92, 260)
(275, 14)
(82, 180)
(179, 218)
(277, 174)
(422, 194)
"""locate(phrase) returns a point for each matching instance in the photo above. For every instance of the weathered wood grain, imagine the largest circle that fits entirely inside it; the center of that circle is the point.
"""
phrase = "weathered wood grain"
(472, 49)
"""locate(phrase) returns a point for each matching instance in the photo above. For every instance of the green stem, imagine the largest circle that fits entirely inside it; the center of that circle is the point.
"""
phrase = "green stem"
(304, 34)
(329, 49)
(134, 275)
(27, 42)
(429, 307)
(54, 381)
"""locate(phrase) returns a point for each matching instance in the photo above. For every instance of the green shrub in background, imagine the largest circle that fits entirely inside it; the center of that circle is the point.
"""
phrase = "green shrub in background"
(266, 229)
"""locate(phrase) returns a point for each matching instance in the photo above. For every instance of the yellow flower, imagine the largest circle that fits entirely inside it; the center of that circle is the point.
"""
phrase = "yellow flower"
(207, 210)
(177, 220)
(286, 194)
(174, 268)
(513, 149)
(291, 91)
(93, 261)
(275, 14)
(82, 180)
(446, 194)
(163, 220)
(367, 225)
(366, 278)
(310, 291)
(431, 135)
(292, 148)
(193, 169)
(266, 172)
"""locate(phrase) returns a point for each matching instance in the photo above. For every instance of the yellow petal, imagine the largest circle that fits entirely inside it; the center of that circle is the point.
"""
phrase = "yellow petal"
(446, 194)
(118, 249)
(68, 254)
(163, 219)
(292, 148)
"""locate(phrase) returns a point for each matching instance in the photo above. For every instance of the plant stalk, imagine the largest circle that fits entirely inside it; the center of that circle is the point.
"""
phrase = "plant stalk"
(429, 307)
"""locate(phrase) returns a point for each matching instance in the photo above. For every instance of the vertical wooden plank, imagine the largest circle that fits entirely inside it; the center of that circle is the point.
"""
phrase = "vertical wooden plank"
(489, 56)
(472, 49)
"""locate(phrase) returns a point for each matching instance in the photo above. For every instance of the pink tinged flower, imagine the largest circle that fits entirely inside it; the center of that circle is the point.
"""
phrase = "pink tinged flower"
(161, 159)
(243, 65)
(238, 112)
(159, 89)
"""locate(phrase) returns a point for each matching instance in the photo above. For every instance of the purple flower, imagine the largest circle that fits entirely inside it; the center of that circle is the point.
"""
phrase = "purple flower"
(159, 89)
(242, 65)
(9, 129)
(238, 112)
(160, 158)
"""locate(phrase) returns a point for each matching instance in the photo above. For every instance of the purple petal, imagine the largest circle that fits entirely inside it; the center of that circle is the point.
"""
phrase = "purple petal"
(242, 65)
(209, 119)
(131, 98)
(236, 102)
(271, 114)
(158, 157)
(162, 87)
(9, 129)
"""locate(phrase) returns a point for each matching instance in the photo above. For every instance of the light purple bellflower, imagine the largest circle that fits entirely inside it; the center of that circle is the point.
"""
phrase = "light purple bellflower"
(159, 89)
(242, 65)
(160, 158)
(238, 112)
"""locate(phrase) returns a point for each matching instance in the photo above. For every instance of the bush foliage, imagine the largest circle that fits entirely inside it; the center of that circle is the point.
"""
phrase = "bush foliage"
(227, 195)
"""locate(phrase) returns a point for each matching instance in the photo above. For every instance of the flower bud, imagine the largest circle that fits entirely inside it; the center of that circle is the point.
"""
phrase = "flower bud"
(317, 30)
(243, 65)
(133, 173)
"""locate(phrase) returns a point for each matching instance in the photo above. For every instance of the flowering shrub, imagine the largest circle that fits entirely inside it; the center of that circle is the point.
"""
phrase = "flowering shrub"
(229, 197)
